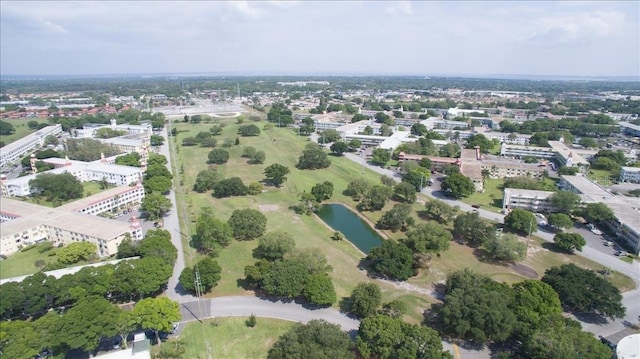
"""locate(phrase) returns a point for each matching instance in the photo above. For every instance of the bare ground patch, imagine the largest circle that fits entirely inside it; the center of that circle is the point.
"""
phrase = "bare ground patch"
(525, 271)
(268, 207)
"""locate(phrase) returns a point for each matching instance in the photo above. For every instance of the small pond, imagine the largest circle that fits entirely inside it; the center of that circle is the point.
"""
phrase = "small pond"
(356, 230)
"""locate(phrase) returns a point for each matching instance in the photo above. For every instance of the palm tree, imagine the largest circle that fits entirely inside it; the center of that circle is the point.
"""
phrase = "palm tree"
(485, 173)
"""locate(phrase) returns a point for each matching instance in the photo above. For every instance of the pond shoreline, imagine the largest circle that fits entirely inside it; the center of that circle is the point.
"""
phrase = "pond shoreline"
(368, 222)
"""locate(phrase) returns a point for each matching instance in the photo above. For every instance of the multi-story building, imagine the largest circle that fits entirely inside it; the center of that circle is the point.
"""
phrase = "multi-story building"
(630, 174)
(16, 150)
(508, 150)
(568, 157)
(436, 123)
(112, 200)
(629, 129)
(535, 201)
(117, 175)
(626, 224)
(24, 224)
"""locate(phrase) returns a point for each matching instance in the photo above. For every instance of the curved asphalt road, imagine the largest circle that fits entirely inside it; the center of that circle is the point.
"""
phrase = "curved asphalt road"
(630, 299)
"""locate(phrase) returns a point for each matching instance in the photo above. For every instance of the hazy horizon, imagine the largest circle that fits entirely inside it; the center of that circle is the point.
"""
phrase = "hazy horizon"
(527, 40)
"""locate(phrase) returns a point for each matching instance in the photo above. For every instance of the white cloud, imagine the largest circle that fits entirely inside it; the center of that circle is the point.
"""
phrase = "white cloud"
(399, 8)
(578, 29)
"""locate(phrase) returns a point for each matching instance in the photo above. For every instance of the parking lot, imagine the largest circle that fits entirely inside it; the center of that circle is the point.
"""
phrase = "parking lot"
(126, 218)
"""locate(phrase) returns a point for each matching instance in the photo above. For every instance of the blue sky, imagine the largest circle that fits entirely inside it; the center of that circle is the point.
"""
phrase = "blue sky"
(568, 38)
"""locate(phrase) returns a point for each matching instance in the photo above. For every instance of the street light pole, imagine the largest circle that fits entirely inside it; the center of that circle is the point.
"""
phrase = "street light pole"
(526, 251)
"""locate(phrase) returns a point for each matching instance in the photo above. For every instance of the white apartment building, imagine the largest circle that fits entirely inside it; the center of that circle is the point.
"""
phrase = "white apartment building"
(24, 224)
(630, 174)
(117, 175)
(112, 200)
(535, 201)
(16, 150)
(508, 150)
(568, 157)
(436, 123)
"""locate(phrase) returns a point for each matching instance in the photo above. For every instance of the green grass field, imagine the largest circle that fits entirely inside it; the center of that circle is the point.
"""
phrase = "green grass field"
(231, 338)
(491, 198)
(21, 128)
(284, 146)
(605, 178)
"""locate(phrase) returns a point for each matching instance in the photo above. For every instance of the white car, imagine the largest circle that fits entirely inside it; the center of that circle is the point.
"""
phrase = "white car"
(596, 231)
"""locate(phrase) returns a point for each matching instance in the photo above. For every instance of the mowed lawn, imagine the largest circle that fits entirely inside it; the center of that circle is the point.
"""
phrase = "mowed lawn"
(20, 127)
(284, 146)
(231, 338)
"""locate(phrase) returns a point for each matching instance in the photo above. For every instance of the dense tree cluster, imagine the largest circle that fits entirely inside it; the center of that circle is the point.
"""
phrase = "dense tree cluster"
(298, 273)
(209, 274)
(382, 336)
(583, 290)
(247, 223)
(56, 187)
(391, 260)
(528, 314)
(212, 234)
(458, 185)
(313, 157)
(87, 149)
(122, 282)
(316, 339)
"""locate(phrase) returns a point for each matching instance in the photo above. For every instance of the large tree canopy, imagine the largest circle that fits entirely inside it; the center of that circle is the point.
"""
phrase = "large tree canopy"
(247, 223)
(62, 187)
(583, 290)
(316, 339)
(384, 337)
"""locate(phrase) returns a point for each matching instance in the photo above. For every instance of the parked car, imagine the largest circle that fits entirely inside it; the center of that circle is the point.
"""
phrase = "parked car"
(607, 342)
(475, 205)
(608, 243)
(622, 253)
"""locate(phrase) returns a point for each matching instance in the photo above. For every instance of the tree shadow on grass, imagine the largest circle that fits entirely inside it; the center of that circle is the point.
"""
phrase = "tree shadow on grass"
(482, 256)
(552, 247)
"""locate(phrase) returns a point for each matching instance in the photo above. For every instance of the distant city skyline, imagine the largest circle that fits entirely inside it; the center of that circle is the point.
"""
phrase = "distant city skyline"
(532, 40)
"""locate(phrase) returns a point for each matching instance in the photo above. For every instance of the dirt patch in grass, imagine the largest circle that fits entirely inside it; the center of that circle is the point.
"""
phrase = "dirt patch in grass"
(525, 270)
(268, 207)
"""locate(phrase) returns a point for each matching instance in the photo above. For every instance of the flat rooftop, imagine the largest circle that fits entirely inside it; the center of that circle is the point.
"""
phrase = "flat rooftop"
(96, 198)
(529, 193)
(31, 215)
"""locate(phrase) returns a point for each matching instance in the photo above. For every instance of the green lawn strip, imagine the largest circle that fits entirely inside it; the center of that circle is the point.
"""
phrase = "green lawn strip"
(602, 177)
(23, 263)
(231, 338)
(541, 259)
(20, 127)
(491, 198)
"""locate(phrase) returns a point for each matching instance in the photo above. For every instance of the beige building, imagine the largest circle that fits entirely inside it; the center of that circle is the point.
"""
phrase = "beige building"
(25, 223)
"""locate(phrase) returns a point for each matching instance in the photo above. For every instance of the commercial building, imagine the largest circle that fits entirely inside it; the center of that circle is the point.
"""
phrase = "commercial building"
(18, 149)
(630, 174)
(24, 224)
